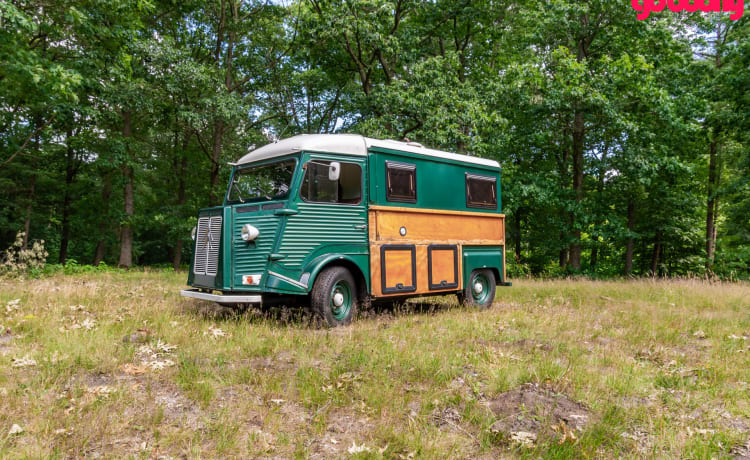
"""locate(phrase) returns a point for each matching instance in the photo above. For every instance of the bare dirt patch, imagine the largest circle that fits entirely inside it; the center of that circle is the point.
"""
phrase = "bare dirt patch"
(531, 345)
(529, 412)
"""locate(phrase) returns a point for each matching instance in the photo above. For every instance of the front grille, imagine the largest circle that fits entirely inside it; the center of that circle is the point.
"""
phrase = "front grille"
(207, 246)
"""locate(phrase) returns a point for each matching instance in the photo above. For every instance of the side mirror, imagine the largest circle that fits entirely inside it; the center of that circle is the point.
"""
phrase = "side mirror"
(334, 171)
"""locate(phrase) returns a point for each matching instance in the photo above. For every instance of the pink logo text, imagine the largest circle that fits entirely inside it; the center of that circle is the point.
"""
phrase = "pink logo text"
(736, 7)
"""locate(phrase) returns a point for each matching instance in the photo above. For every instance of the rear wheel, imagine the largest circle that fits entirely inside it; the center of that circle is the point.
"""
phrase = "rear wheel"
(480, 290)
(334, 296)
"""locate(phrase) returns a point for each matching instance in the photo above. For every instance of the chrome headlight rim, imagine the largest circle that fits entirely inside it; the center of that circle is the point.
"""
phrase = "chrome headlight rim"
(249, 233)
(194, 232)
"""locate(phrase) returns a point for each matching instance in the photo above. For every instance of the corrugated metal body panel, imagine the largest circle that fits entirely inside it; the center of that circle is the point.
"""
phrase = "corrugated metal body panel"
(252, 258)
(318, 225)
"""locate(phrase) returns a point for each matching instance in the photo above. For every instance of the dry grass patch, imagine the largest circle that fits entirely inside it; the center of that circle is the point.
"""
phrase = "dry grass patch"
(118, 365)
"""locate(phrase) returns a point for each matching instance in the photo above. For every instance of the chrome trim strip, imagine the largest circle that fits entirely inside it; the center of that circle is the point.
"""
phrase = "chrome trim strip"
(196, 294)
(288, 280)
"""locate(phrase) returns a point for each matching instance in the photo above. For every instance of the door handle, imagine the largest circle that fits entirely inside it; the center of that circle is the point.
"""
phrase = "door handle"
(360, 227)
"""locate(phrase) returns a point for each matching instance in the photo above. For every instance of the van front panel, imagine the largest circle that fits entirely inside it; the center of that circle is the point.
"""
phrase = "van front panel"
(250, 258)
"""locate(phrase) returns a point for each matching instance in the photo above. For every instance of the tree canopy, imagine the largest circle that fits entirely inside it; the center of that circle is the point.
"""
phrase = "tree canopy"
(623, 142)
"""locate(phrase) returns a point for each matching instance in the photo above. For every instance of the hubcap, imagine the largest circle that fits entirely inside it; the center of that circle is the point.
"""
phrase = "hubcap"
(480, 288)
(341, 300)
(338, 299)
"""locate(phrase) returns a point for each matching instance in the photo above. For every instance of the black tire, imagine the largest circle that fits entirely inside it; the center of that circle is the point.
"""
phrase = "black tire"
(323, 300)
(484, 298)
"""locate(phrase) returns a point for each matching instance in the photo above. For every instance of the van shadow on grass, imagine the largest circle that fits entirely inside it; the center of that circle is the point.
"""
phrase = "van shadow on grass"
(302, 316)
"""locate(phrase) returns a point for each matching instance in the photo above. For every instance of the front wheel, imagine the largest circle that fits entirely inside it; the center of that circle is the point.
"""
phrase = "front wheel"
(480, 290)
(334, 296)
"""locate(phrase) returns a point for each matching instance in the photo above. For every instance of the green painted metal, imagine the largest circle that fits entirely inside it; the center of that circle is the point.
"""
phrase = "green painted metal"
(251, 258)
(480, 279)
(441, 183)
(298, 239)
(475, 257)
(347, 293)
(320, 230)
(342, 256)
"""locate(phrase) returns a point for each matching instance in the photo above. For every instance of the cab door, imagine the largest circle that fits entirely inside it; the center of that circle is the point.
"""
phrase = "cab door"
(330, 215)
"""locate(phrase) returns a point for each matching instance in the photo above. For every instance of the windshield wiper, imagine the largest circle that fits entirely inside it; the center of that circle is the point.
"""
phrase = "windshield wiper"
(239, 193)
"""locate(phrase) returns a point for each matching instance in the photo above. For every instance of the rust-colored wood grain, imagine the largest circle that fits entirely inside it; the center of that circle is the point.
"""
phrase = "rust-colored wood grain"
(426, 227)
(398, 268)
(443, 266)
(433, 227)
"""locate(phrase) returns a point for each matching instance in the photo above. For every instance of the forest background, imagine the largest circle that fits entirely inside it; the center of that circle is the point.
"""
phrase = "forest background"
(624, 143)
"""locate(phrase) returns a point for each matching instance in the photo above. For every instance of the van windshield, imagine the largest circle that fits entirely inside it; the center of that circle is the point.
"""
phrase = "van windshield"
(266, 182)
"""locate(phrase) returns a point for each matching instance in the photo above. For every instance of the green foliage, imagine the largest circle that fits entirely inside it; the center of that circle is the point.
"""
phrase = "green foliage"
(603, 124)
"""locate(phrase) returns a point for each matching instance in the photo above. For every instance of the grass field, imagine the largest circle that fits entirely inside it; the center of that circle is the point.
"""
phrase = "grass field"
(119, 365)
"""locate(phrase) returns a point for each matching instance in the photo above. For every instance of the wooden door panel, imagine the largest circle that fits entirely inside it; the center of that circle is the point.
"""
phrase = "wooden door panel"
(442, 266)
(398, 268)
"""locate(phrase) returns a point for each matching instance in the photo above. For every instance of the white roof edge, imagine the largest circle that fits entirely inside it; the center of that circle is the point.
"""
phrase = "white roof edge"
(350, 144)
(409, 147)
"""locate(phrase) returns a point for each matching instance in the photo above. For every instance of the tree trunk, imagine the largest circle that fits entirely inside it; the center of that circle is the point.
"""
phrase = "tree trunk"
(215, 157)
(181, 198)
(69, 176)
(629, 245)
(655, 255)
(600, 199)
(29, 207)
(711, 204)
(563, 257)
(102, 226)
(517, 234)
(126, 230)
(32, 191)
(578, 137)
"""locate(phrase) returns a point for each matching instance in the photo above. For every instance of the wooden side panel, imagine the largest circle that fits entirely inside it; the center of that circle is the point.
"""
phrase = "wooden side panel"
(426, 228)
(429, 227)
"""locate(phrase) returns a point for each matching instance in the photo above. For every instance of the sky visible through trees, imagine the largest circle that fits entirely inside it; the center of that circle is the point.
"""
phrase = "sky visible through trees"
(624, 143)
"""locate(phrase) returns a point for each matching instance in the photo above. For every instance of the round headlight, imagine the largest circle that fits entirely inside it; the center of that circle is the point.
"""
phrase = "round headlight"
(249, 233)
(193, 232)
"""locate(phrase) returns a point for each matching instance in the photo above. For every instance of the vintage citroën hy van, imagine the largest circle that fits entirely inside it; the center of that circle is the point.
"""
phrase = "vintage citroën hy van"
(342, 219)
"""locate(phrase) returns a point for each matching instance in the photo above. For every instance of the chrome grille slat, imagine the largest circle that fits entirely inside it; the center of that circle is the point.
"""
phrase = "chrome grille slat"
(212, 264)
(208, 235)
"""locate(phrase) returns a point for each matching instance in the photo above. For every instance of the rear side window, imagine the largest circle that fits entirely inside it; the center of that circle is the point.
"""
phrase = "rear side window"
(481, 191)
(401, 182)
(318, 188)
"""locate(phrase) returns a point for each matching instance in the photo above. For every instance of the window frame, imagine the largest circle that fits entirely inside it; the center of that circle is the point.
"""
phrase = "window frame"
(403, 167)
(361, 182)
(475, 205)
(271, 161)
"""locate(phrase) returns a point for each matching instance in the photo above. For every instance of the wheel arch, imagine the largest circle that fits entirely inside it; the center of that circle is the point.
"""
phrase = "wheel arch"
(339, 260)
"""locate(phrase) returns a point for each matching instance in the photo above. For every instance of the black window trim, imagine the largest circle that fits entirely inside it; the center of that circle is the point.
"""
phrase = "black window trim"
(361, 182)
(471, 176)
(405, 167)
(239, 168)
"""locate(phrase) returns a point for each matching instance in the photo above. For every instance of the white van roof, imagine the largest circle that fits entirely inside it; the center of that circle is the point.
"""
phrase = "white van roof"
(350, 144)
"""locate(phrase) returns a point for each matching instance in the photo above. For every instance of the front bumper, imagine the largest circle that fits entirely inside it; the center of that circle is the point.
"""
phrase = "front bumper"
(233, 298)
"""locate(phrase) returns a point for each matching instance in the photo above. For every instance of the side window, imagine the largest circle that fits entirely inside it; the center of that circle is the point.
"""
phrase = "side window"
(318, 188)
(401, 182)
(481, 192)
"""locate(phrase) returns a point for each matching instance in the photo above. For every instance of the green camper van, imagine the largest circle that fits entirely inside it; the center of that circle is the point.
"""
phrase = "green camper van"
(338, 220)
